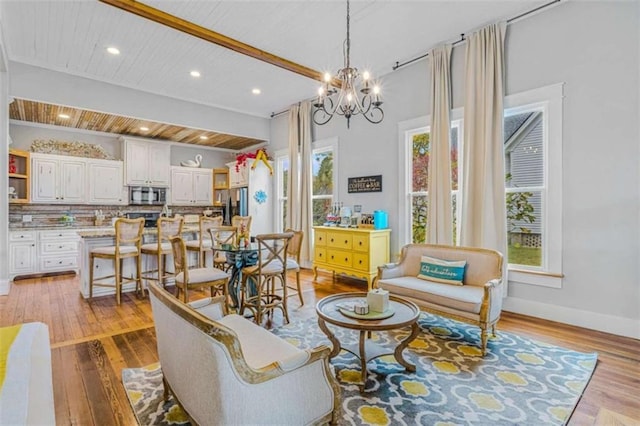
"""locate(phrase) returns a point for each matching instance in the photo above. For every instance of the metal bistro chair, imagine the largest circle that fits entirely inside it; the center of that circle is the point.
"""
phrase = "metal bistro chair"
(222, 235)
(272, 266)
(167, 228)
(128, 242)
(202, 245)
(293, 260)
(186, 278)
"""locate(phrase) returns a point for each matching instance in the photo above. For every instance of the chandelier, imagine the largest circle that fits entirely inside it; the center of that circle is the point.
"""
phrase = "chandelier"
(347, 102)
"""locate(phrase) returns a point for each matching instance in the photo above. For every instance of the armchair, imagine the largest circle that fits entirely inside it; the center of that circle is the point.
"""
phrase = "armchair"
(244, 374)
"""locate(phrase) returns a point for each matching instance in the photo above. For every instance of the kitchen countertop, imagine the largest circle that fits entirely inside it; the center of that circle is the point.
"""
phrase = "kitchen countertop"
(111, 232)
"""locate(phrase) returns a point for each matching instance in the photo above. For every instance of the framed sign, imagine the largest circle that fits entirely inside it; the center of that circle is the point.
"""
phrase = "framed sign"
(365, 184)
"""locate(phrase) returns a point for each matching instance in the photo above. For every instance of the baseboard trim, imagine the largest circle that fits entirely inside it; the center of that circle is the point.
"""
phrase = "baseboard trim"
(620, 326)
(5, 286)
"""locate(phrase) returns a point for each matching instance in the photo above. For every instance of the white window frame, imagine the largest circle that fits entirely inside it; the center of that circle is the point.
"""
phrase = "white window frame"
(280, 156)
(406, 131)
(330, 144)
(547, 99)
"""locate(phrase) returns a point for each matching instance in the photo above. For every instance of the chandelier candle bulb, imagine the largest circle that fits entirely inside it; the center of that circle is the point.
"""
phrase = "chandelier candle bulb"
(378, 300)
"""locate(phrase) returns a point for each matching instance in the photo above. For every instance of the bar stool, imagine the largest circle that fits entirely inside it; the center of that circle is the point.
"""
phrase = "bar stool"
(272, 266)
(128, 242)
(186, 278)
(293, 260)
(222, 235)
(167, 228)
(203, 244)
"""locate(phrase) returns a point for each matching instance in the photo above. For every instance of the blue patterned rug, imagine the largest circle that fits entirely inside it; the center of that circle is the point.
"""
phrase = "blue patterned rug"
(518, 382)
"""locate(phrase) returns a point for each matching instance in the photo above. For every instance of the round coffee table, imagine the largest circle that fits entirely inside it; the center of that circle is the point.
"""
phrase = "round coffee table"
(405, 314)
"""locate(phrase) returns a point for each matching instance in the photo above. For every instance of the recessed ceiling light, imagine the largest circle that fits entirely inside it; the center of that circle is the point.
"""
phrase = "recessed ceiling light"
(63, 116)
(195, 73)
(256, 91)
(113, 50)
(203, 137)
(144, 129)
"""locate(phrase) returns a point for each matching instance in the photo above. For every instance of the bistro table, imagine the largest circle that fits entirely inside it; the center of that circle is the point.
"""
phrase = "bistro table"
(239, 258)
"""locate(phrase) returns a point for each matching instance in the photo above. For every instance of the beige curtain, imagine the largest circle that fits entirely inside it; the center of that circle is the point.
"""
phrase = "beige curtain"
(439, 222)
(483, 222)
(299, 181)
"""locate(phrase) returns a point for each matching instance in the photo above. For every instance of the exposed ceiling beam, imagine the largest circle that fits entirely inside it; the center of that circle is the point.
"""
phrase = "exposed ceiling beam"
(160, 17)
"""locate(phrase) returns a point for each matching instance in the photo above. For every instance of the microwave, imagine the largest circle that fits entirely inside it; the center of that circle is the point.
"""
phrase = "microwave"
(147, 195)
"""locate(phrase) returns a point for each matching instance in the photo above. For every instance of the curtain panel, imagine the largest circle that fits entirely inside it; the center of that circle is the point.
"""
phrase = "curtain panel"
(439, 217)
(483, 222)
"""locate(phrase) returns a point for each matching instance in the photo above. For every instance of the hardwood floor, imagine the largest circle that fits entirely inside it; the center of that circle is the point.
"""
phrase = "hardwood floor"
(93, 341)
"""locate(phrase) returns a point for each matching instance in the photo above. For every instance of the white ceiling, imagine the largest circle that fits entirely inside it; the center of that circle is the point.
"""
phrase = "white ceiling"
(72, 36)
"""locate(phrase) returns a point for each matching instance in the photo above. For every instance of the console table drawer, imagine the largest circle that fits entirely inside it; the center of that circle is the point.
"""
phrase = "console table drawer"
(340, 240)
(361, 261)
(320, 238)
(340, 258)
(361, 242)
(320, 254)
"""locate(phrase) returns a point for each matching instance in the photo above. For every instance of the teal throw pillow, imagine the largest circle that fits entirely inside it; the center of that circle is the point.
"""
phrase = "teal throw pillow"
(442, 271)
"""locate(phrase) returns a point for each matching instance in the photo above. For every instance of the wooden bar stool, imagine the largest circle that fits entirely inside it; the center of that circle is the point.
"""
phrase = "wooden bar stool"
(222, 235)
(202, 245)
(128, 242)
(186, 278)
(167, 228)
(271, 267)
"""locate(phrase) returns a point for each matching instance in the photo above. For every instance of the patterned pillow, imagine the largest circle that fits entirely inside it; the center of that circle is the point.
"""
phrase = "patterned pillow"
(442, 271)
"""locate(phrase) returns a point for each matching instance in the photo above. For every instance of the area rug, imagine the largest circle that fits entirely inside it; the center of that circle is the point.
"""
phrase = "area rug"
(518, 381)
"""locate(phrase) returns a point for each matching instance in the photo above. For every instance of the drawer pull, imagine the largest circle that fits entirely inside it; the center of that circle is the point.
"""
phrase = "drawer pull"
(331, 257)
(59, 235)
(346, 241)
(360, 243)
(60, 246)
(346, 258)
(332, 240)
(360, 262)
(60, 263)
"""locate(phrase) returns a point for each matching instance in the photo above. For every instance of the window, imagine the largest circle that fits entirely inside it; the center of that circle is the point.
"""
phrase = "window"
(282, 180)
(322, 184)
(418, 151)
(533, 168)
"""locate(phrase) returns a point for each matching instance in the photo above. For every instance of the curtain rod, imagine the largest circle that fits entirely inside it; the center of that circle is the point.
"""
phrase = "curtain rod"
(462, 35)
(455, 43)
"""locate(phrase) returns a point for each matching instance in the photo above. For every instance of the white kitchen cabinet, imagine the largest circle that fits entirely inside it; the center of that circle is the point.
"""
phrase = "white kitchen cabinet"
(146, 163)
(58, 179)
(106, 182)
(240, 177)
(22, 253)
(58, 250)
(191, 186)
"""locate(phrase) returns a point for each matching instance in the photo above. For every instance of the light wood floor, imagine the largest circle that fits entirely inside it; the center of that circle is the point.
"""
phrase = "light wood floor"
(92, 343)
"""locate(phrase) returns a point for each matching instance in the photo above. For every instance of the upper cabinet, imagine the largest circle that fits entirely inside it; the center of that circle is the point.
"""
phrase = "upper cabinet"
(220, 185)
(238, 177)
(19, 175)
(146, 163)
(58, 179)
(106, 182)
(191, 186)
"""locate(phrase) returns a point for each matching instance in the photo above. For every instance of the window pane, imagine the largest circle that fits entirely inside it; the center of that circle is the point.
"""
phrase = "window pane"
(419, 218)
(420, 162)
(323, 173)
(321, 208)
(283, 209)
(523, 149)
(455, 131)
(285, 176)
(524, 224)
(454, 211)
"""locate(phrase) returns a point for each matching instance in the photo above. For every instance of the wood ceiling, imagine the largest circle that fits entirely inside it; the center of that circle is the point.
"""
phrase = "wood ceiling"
(44, 113)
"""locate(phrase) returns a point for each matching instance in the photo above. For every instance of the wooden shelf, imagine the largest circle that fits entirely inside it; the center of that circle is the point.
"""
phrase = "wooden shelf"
(19, 179)
(220, 185)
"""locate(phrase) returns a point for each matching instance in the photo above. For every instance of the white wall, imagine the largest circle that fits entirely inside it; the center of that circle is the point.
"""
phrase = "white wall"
(4, 171)
(593, 47)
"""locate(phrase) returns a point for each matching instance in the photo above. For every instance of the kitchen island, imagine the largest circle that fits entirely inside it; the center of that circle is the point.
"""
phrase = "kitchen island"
(91, 239)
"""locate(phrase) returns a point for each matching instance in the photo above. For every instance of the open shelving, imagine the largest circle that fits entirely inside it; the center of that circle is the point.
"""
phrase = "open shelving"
(19, 175)
(220, 185)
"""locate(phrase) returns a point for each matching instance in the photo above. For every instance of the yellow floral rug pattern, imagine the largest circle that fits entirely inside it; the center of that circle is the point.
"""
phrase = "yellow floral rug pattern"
(518, 381)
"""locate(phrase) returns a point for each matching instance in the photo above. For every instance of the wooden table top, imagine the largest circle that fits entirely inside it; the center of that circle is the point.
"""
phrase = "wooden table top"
(405, 313)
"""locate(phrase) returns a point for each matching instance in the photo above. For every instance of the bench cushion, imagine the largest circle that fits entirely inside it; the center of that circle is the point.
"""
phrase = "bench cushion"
(462, 298)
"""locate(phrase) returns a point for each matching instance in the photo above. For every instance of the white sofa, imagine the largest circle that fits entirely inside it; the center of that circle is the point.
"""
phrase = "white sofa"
(478, 301)
(226, 370)
(26, 394)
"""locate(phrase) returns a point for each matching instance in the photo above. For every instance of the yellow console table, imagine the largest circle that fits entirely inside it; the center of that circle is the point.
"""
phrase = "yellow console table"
(356, 252)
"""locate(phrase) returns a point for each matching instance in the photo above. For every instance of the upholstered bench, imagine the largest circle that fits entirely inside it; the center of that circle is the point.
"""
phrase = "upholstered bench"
(477, 300)
(26, 389)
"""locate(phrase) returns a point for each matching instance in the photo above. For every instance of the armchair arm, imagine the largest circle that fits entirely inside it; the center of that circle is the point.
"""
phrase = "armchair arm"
(491, 300)
(390, 270)
(211, 307)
